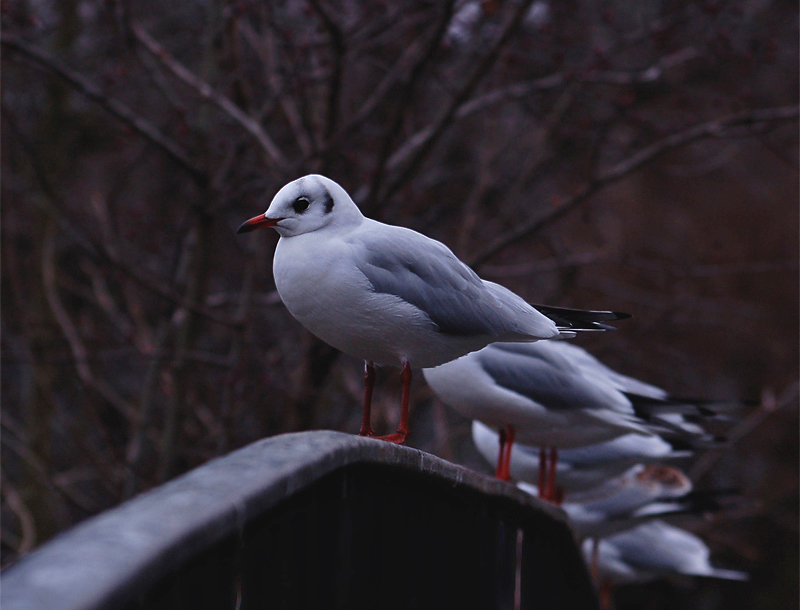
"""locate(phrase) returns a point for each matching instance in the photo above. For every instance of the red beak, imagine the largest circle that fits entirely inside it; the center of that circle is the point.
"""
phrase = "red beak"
(259, 222)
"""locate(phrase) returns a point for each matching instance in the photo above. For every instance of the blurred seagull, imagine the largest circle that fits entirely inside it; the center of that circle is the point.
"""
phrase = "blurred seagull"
(390, 295)
(581, 468)
(640, 486)
(549, 394)
(652, 550)
(647, 552)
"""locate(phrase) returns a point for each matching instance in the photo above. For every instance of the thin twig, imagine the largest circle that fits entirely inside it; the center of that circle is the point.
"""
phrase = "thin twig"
(409, 160)
(538, 146)
(543, 266)
(271, 66)
(747, 426)
(27, 526)
(197, 270)
(648, 75)
(205, 91)
(339, 49)
(547, 83)
(53, 204)
(411, 56)
(498, 96)
(115, 107)
(79, 351)
(236, 351)
(16, 440)
(147, 395)
(715, 128)
(405, 97)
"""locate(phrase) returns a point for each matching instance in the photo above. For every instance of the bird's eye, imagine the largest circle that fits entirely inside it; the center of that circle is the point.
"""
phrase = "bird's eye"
(300, 205)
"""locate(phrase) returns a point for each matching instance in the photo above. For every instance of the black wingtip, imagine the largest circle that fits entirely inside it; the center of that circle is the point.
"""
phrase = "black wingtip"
(581, 319)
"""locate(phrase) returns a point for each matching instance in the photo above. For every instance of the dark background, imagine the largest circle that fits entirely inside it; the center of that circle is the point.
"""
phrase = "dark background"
(632, 155)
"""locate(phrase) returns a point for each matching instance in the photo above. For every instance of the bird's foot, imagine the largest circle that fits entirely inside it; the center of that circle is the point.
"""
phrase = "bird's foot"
(398, 438)
(504, 474)
(368, 431)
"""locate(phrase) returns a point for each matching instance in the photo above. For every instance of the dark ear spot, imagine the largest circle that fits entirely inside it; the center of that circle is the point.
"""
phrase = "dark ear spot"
(300, 205)
(328, 201)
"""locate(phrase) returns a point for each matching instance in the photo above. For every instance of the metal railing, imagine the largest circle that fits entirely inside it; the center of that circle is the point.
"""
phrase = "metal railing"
(313, 520)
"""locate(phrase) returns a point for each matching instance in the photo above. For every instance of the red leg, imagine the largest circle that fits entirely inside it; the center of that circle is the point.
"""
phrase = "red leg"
(399, 437)
(369, 384)
(542, 471)
(606, 594)
(551, 475)
(594, 564)
(501, 454)
(505, 468)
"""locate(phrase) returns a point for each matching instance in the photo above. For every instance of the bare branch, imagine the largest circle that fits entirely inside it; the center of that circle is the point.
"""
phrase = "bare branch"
(499, 96)
(648, 75)
(27, 525)
(268, 59)
(406, 93)
(133, 451)
(334, 88)
(410, 56)
(412, 159)
(542, 266)
(206, 92)
(769, 404)
(547, 83)
(115, 107)
(53, 204)
(196, 271)
(715, 128)
(538, 147)
(79, 351)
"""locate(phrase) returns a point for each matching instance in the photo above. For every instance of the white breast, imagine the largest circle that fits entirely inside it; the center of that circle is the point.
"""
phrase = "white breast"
(320, 285)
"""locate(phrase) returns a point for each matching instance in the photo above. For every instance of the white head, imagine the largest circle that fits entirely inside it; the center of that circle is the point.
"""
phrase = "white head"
(307, 204)
(666, 481)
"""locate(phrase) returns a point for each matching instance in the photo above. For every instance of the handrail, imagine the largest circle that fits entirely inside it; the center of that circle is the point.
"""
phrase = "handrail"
(258, 522)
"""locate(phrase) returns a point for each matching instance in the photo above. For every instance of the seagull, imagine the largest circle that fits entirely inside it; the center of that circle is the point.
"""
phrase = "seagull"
(648, 552)
(586, 467)
(550, 394)
(640, 486)
(652, 550)
(389, 295)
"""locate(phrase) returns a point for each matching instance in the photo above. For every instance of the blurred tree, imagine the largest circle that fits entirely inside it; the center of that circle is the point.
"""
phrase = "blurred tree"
(640, 156)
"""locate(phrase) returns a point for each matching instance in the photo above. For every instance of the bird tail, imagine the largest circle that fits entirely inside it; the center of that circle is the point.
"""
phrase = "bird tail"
(581, 319)
(727, 574)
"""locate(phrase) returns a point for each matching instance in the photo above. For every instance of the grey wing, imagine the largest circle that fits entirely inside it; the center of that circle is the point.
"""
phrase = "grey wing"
(659, 546)
(425, 273)
(542, 376)
(592, 366)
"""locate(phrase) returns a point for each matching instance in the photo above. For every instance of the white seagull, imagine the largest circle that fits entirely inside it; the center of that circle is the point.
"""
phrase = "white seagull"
(548, 394)
(640, 487)
(581, 468)
(390, 295)
(652, 550)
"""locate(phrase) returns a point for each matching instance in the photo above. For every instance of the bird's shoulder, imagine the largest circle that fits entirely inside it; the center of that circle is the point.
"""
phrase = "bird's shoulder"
(394, 248)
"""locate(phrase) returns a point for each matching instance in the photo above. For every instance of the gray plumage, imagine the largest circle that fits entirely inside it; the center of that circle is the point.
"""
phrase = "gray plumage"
(544, 376)
(426, 274)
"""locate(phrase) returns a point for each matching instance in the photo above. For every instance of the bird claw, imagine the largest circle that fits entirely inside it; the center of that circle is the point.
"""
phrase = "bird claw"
(397, 438)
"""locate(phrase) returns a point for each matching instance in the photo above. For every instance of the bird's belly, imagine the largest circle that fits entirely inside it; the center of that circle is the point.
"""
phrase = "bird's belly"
(342, 309)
